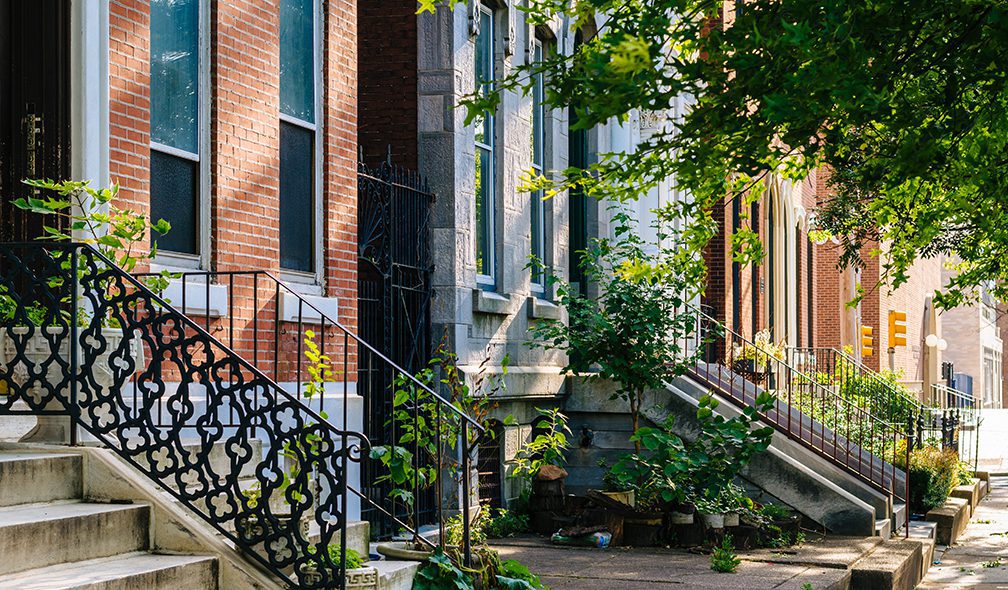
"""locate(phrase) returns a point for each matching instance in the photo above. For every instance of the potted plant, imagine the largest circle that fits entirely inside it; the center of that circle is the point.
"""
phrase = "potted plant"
(752, 360)
(356, 572)
(36, 329)
(539, 465)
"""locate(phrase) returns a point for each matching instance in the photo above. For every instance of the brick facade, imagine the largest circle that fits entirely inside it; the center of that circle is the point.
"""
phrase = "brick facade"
(244, 155)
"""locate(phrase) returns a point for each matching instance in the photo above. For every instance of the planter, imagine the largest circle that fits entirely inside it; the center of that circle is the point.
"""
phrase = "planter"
(731, 519)
(713, 521)
(675, 518)
(361, 578)
(626, 497)
(36, 360)
(404, 550)
(642, 532)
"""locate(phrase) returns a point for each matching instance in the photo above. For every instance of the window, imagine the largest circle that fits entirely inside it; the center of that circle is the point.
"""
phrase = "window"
(298, 136)
(486, 155)
(538, 209)
(176, 122)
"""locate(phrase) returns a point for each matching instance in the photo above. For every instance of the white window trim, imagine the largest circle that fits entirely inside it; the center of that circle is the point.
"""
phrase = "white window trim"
(316, 279)
(177, 260)
(489, 281)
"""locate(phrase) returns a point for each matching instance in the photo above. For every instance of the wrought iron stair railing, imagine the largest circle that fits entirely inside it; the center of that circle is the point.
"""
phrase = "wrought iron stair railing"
(269, 322)
(84, 339)
(804, 409)
(855, 380)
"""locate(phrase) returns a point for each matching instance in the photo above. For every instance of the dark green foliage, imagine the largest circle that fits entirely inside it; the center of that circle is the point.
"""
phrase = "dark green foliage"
(723, 560)
(668, 470)
(439, 572)
(905, 102)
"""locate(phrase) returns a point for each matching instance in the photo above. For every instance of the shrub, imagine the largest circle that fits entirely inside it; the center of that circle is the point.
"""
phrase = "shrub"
(933, 473)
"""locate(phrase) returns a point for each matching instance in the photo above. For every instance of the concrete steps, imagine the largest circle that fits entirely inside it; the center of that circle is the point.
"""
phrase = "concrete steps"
(123, 572)
(52, 538)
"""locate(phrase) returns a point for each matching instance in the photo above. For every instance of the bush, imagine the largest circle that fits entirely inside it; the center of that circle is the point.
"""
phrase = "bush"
(933, 473)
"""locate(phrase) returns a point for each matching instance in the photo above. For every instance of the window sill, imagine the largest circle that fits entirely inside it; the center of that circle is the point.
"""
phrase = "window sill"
(312, 311)
(541, 309)
(199, 300)
(304, 283)
(491, 303)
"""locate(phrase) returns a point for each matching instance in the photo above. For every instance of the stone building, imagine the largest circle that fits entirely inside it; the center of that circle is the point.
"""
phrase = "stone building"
(975, 347)
(484, 228)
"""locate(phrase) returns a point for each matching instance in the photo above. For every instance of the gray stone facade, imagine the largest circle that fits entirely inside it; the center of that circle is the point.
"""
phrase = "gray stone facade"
(484, 322)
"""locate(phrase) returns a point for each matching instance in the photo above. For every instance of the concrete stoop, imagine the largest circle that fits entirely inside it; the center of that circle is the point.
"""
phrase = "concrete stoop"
(871, 563)
(897, 564)
(52, 538)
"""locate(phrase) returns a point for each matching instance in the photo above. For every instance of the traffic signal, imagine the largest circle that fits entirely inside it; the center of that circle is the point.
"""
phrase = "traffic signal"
(897, 328)
(867, 341)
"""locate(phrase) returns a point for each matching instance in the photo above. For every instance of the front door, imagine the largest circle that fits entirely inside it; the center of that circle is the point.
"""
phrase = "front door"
(34, 105)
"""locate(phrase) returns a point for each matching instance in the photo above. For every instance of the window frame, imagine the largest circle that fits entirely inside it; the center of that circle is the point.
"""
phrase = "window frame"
(538, 212)
(201, 259)
(311, 281)
(487, 280)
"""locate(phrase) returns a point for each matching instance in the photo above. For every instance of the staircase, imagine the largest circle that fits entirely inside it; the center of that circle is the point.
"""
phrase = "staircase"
(195, 407)
(824, 430)
(53, 539)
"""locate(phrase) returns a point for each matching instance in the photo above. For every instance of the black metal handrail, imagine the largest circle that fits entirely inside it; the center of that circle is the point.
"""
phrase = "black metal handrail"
(804, 409)
(287, 330)
(855, 379)
(76, 329)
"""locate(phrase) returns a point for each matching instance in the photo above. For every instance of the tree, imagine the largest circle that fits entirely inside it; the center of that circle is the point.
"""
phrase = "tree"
(904, 102)
(639, 332)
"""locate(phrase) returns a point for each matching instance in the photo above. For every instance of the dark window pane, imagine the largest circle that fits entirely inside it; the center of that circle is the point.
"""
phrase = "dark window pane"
(174, 190)
(297, 59)
(174, 57)
(297, 185)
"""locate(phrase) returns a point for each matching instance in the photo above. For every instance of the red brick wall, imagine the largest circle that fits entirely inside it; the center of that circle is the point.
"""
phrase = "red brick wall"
(129, 101)
(244, 152)
(388, 81)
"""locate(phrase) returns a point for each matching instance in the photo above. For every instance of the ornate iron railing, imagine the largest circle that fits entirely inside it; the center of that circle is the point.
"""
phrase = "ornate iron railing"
(268, 322)
(854, 380)
(806, 410)
(84, 339)
(952, 421)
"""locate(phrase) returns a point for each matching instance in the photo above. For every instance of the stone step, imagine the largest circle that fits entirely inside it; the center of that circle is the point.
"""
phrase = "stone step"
(395, 575)
(922, 529)
(135, 571)
(39, 535)
(899, 514)
(30, 478)
(893, 565)
(883, 528)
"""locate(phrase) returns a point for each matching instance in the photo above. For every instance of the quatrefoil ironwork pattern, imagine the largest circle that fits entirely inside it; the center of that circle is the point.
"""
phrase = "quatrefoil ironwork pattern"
(83, 338)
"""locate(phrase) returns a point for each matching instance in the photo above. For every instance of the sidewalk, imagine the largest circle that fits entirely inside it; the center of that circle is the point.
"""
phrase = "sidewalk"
(570, 568)
(980, 558)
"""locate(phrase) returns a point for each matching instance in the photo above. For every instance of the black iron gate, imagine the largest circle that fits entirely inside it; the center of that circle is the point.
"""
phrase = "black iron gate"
(394, 295)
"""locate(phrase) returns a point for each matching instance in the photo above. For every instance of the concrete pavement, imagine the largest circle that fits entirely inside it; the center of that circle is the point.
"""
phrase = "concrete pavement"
(980, 557)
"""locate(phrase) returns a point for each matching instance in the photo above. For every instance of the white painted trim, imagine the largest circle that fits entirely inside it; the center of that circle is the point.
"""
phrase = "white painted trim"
(196, 302)
(204, 245)
(289, 307)
(89, 90)
(298, 122)
(174, 151)
(319, 23)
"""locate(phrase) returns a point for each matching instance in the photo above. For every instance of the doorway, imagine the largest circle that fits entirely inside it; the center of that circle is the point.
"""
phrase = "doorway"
(34, 105)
